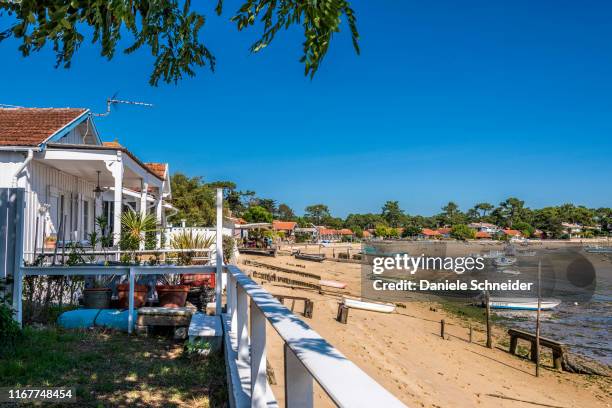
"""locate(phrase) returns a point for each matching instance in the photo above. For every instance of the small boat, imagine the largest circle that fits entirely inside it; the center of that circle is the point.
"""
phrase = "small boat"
(310, 257)
(258, 251)
(368, 305)
(523, 303)
(598, 249)
(504, 261)
(332, 284)
(511, 272)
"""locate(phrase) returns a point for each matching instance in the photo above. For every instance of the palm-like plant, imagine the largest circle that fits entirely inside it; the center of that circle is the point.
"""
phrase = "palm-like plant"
(189, 240)
(134, 227)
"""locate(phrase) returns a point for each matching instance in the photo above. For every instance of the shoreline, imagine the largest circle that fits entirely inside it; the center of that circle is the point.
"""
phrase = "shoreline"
(405, 353)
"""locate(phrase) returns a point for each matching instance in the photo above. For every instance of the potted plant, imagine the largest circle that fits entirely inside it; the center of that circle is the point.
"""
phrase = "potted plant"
(123, 294)
(99, 295)
(134, 228)
(50, 242)
(170, 292)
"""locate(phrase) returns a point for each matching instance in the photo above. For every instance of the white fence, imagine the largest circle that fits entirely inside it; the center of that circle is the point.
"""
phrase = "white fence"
(308, 356)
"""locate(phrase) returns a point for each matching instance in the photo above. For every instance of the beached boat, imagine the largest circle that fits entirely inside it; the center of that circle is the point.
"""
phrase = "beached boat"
(504, 261)
(523, 303)
(368, 305)
(332, 284)
(258, 251)
(511, 272)
(310, 257)
(598, 249)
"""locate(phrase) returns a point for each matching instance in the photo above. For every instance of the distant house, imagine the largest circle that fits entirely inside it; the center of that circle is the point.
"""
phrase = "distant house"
(329, 234)
(512, 233)
(487, 227)
(286, 227)
(445, 232)
(573, 230)
(482, 235)
(427, 233)
(367, 234)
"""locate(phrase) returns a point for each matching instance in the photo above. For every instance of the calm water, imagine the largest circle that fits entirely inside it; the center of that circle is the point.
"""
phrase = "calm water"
(584, 318)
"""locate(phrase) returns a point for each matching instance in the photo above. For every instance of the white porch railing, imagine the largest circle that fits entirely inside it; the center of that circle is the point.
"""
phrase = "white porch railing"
(308, 356)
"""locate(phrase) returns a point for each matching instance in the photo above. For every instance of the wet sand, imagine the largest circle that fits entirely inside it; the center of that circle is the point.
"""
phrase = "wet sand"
(405, 353)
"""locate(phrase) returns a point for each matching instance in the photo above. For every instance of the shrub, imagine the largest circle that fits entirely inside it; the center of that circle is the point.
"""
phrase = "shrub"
(9, 330)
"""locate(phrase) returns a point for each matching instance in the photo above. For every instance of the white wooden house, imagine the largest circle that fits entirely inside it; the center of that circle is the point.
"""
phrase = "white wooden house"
(68, 173)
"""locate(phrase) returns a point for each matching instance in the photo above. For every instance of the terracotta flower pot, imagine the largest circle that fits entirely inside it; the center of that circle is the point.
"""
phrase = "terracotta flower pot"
(199, 279)
(96, 298)
(140, 295)
(172, 295)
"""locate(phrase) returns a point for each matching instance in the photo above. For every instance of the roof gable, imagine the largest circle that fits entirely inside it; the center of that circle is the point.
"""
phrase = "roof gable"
(34, 126)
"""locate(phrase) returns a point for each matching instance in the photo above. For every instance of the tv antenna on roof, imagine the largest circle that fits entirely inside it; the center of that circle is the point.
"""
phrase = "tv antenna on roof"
(113, 101)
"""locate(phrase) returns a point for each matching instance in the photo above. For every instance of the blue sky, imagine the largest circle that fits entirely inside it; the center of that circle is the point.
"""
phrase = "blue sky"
(465, 101)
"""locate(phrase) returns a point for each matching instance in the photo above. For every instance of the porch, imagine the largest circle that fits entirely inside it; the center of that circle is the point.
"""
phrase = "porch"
(69, 186)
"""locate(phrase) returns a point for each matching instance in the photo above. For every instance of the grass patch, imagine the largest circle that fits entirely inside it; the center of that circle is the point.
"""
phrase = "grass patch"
(113, 369)
(467, 311)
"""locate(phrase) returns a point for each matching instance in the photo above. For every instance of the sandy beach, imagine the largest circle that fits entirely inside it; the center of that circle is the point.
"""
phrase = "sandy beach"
(404, 352)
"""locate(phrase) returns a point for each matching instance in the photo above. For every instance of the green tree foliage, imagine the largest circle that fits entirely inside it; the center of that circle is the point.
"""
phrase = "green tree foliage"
(526, 229)
(267, 203)
(511, 211)
(393, 214)
(462, 232)
(257, 214)
(451, 214)
(483, 209)
(169, 29)
(285, 213)
(548, 221)
(363, 221)
(194, 200)
(317, 214)
(411, 231)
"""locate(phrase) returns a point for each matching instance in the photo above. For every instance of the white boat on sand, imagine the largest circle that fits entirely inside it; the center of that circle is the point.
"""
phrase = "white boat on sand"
(523, 303)
(332, 284)
(368, 305)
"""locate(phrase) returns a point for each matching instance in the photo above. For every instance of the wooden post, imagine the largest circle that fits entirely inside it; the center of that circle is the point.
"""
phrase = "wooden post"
(442, 328)
(471, 330)
(488, 313)
(342, 316)
(308, 308)
(537, 340)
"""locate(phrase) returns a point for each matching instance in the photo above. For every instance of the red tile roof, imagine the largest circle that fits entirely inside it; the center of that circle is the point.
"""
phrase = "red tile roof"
(430, 233)
(482, 234)
(33, 126)
(444, 230)
(159, 169)
(366, 234)
(345, 231)
(512, 232)
(327, 231)
(114, 143)
(283, 225)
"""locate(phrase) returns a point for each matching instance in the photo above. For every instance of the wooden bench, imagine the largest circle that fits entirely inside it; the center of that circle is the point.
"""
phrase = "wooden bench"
(308, 304)
(558, 348)
(176, 317)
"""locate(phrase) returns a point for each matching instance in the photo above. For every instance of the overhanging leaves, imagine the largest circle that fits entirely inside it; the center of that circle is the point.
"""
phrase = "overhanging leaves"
(169, 29)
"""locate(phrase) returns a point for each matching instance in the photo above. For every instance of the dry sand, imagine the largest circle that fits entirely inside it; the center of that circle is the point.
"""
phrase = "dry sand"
(405, 353)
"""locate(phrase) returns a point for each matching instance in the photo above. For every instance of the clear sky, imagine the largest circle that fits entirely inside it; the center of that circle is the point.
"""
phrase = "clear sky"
(465, 101)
